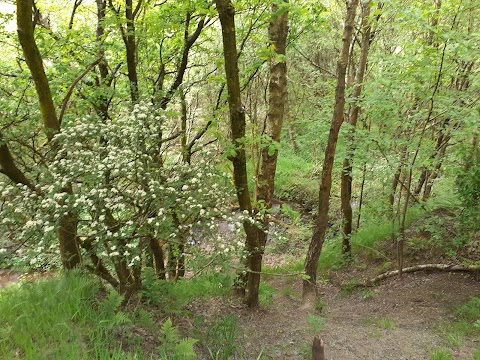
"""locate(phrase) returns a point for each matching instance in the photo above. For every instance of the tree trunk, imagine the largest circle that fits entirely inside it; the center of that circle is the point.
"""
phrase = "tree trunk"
(157, 254)
(131, 49)
(277, 32)
(226, 13)
(35, 65)
(9, 168)
(321, 223)
(67, 235)
(346, 177)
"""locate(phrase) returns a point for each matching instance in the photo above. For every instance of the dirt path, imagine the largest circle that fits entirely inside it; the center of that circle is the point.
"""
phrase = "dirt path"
(397, 320)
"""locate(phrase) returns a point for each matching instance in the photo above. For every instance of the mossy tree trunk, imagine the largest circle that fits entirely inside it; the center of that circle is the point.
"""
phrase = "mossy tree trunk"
(67, 227)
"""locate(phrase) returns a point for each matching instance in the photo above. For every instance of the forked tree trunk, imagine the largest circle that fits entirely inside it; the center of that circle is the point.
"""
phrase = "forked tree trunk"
(321, 223)
(346, 177)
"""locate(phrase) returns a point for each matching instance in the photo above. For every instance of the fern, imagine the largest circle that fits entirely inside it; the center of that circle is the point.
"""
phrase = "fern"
(173, 347)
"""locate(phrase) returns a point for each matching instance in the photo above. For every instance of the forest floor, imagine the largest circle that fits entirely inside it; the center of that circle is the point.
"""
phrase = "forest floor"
(410, 317)
(399, 319)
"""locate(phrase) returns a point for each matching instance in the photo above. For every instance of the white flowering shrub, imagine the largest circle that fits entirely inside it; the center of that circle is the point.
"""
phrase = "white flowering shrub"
(127, 186)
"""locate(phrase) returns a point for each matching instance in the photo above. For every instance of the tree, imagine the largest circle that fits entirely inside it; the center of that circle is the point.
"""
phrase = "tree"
(67, 232)
(321, 223)
(353, 113)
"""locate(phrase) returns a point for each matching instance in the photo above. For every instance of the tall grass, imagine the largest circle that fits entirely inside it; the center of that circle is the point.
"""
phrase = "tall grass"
(59, 318)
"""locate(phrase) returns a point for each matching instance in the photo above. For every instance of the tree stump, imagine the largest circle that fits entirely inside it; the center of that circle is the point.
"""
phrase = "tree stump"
(318, 351)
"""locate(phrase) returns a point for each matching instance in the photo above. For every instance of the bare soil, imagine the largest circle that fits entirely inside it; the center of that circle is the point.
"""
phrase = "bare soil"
(399, 319)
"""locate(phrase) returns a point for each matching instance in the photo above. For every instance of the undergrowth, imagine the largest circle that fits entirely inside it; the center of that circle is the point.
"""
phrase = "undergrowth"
(69, 317)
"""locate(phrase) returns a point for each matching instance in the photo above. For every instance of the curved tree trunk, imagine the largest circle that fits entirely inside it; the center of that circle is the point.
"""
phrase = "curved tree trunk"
(321, 223)
(67, 231)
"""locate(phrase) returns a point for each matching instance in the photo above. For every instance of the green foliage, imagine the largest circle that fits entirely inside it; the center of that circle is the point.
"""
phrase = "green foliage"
(476, 356)
(468, 187)
(468, 323)
(172, 346)
(380, 322)
(321, 305)
(295, 178)
(266, 293)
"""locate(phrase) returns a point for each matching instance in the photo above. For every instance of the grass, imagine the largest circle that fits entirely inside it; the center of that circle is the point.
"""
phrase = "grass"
(220, 338)
(71, 317)
(315, 323)
(304, 188)
(476, 356)
(172, 297)
(364, 241)
(265, 295)
(467, 324)
(60, 318)
(439, 354)
(380, 322)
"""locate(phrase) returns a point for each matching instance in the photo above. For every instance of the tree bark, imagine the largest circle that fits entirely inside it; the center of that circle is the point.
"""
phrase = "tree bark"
(35, 65)
(9, 168)
(157, 253)
(346, 177)
(321, 223)
(67, 232)
(226, 13)
(131, 49)
(277, 33)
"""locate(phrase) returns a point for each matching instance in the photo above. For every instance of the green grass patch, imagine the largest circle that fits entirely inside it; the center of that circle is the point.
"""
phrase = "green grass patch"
(365, 241)
(220, 338)
(295, 178)
(265, 296)
(172, 297)
(440, 354)
(315, 323)
(60, 318)
(380, 322)
(468, 323)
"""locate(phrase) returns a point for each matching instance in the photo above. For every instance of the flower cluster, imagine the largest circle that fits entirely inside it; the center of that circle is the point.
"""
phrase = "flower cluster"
(123, 183)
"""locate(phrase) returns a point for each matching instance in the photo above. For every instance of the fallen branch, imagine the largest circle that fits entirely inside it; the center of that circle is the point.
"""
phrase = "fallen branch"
(424, 267)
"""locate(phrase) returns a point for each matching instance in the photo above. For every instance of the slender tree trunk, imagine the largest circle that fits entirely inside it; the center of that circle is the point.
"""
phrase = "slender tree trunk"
(131, 49)
(35, 65)
(362, 189)
(321, 223)
(158, 258)
(346, 177)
